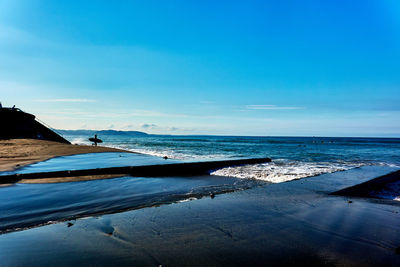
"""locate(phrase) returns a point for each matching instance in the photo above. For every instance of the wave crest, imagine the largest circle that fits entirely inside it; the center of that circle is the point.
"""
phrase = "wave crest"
(279, 171)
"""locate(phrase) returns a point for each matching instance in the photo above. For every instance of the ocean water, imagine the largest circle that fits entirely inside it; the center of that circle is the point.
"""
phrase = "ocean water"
(29, 205)
(293, 157)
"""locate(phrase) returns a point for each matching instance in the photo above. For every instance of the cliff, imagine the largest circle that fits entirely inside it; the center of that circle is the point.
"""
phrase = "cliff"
(14, 123)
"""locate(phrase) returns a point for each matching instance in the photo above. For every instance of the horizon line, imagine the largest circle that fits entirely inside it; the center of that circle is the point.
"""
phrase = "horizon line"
(229, 135)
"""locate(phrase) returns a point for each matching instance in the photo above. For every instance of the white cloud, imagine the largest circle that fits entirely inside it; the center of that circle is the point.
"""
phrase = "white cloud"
(148, 126)
(153, 127)
(72, 100)
(271, 107)
(172, 128)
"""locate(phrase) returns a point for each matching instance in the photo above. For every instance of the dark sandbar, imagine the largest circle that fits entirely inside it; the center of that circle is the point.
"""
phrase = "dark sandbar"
(372, 187)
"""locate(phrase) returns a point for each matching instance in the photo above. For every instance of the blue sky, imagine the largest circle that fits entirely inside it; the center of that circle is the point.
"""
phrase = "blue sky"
(329, 68)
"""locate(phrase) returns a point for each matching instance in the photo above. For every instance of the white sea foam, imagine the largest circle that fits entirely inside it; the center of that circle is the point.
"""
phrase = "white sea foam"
(187, 199)
(385, 164)
(279, 171)
(80, 141)
(160, 153)
(169, 153)
(178, 155)
(155, 153)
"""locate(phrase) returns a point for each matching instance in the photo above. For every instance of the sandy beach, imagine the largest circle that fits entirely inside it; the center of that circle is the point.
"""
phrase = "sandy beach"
(15, 153)
(188, 220)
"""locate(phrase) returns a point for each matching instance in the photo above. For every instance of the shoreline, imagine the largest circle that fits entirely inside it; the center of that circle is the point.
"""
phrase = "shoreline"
(16, 153)
(138, 188)
(291, 223)
(295, 223)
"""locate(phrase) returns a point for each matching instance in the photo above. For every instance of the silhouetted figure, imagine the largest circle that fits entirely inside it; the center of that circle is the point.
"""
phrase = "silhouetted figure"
(95, 140)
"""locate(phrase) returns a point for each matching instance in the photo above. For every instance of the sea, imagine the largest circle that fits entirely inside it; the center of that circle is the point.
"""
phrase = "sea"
(292, 157)
(24, 205)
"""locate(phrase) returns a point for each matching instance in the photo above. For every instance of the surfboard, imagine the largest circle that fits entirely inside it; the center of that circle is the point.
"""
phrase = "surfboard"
(95, 140)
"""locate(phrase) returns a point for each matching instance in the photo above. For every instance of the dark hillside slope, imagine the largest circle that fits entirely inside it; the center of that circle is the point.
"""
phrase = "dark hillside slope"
(14, 123)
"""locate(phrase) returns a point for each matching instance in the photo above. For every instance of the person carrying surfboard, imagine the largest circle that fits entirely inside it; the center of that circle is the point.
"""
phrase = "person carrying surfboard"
(95, 140)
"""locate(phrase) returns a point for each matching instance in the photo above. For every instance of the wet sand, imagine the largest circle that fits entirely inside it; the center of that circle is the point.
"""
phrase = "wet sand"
(69, 179)
(15, 153)
(295, 223)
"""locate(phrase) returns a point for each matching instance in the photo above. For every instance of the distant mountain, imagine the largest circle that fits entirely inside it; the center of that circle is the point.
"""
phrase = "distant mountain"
(101, 132)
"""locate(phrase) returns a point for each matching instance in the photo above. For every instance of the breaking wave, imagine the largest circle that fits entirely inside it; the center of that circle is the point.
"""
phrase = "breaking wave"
(280, 170)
